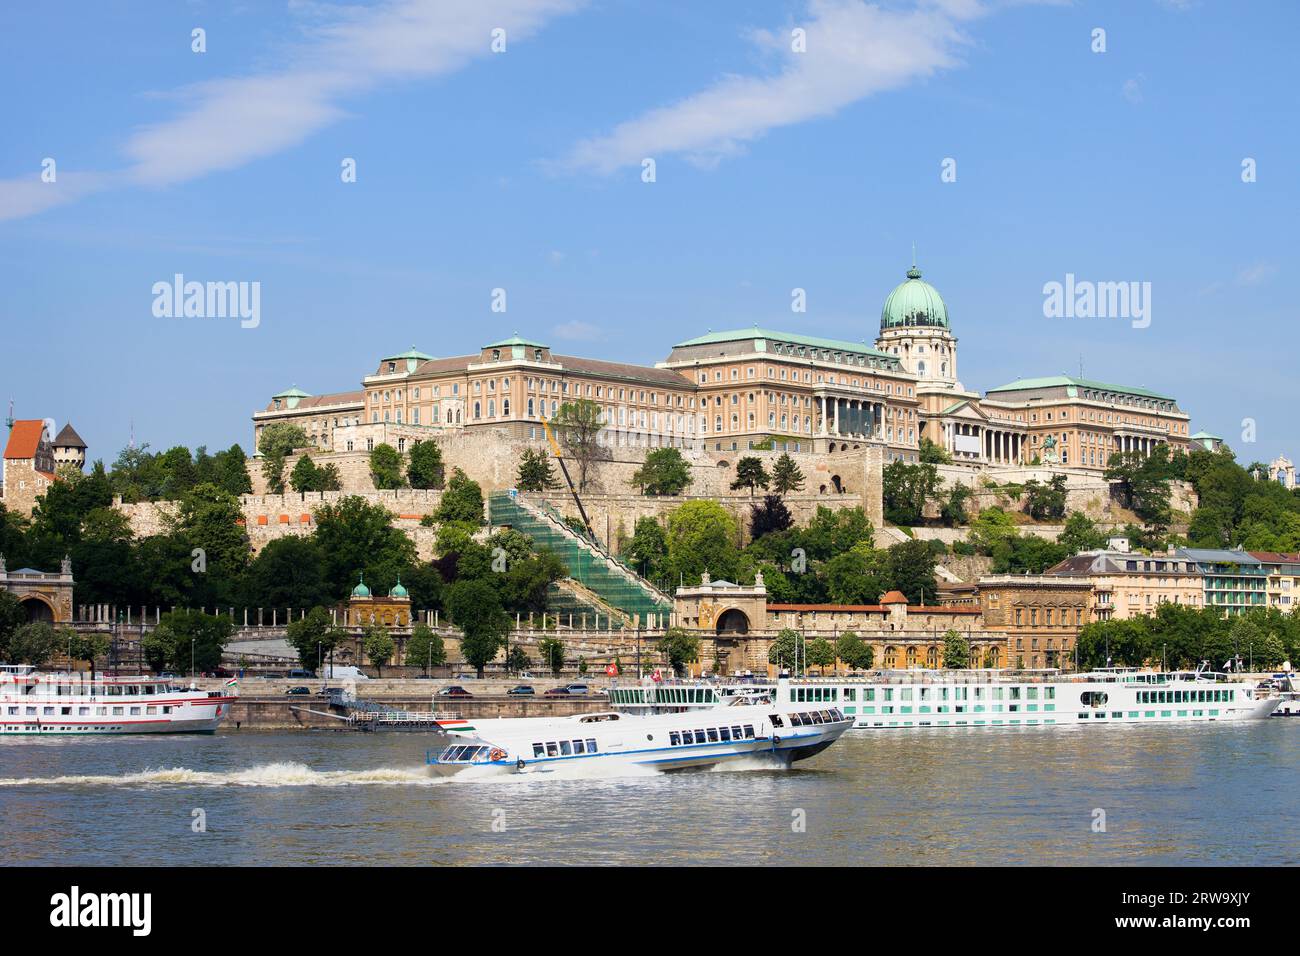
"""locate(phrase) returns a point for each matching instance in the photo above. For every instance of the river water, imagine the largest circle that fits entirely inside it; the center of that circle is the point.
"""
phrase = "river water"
(1222, 793)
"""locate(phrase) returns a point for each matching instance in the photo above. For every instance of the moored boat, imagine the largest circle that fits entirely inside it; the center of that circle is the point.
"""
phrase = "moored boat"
(33, 704)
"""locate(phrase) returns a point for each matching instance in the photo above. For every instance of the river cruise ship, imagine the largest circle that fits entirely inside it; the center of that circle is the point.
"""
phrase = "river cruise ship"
(694, 739)
(44, 704)
(975, 698)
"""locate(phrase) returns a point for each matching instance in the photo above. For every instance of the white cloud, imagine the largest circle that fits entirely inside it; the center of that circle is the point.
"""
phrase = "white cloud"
(1256, 273)
(347, 50)
(854, 49)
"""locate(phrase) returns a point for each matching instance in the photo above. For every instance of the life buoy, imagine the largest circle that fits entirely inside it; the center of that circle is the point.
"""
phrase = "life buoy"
(776, 741)
(495, 754)
(519, 764)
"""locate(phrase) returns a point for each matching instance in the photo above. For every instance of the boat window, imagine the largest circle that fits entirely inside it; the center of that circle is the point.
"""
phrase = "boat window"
(724, 733)
(551, 749)
(796, 720)
(566, 748)
(539, 750)
(749, 731)
(713, 735)
(777, 721)
(701, 737)
(674, 738)
(591, 746)
(735, 732)
(578, 747)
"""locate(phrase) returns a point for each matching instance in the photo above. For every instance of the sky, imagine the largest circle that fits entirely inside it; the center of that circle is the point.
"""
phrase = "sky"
(795, 145)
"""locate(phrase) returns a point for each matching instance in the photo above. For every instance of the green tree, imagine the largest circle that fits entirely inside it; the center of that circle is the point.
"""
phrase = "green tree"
(386, 467)
(424, 467)
(576, 427)
(209, 521)
(187, 641)
(1045, 501)
(665, 472)
(536, 472)
(277, 441)
(751, 474)
(786, 475)
(932, 454)
(788, 651)
(462, 502)
(679, 648)
(12, 616)
(552, 652)
(230, 471)
(304, 476)
(475, 607)
(1081, 534)
(821, 654)
(86, 646)
(517, 660)
(648, 548)
(357, 537)
(909, 566)
(906, 489)
(314, 636)
(33, 643)
(289, 572)
(854, 651)
(953, 510)
(379, 646)
(990, 528)
(855, 577)
(956, 650)
(769, 517)
(701, 537)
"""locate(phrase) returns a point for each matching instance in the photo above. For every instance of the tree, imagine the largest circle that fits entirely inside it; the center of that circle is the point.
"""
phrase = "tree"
(386, 467)
(517, 659)
(769, 517)
(33, 643)
(953, 510)
(357, 537)
(664, 472)
(648, 549)
(991, 527)
(855, 577)
(679, 648)
(424, 467)
(475, 607)
(1045, 501)
(1081, 534)
(701, 537)
(278, 440)
(577, 426)
(854, 651)
(932, 454)
(536, 472)
(304, 475)
(462, 502)
(289, 572)
(906, 489)
(750, 474)
(821, 654)
(378, 645)
(187, 641)
(909, 566)
(209, 520)
(314, 636)
(230, 471)
(552, 652)
(956, 650)
(786, 475)
(787, 651)
(86, 646)
(12, 616)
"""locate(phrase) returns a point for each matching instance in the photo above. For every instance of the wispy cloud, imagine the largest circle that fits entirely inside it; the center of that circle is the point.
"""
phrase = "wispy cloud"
(853, 49)
(1256, 273)
(576, 331)
(344, 51)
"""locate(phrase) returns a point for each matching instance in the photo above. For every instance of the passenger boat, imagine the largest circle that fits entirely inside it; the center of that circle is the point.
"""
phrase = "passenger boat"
(974, 698)
(672, 741)
(44, 704)
(1287, 689)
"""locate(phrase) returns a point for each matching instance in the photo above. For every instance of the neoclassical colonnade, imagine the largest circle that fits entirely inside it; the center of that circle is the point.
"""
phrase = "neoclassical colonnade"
(850, 417)
(997, 445)
(1139, 443)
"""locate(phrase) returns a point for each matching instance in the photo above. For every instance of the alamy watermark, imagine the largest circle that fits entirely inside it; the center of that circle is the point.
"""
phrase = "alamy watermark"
(1084, 299)
(208, 300)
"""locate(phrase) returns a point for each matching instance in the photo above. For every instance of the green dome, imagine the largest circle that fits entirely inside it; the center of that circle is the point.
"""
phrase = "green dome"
(914, 303)
(361, 590)
(398, 591)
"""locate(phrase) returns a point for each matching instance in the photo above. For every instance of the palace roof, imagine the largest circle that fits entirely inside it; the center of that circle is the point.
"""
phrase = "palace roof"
(810, 341)
(914, 302)
(1068, 381)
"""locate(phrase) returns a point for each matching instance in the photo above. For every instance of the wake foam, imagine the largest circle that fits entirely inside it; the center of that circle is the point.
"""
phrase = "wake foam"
(265, 775)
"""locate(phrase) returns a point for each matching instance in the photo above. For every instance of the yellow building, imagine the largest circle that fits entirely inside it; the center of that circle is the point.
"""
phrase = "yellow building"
(1128, 584)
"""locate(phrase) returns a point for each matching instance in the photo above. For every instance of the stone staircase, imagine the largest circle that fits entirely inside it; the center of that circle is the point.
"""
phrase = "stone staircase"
(602, 575)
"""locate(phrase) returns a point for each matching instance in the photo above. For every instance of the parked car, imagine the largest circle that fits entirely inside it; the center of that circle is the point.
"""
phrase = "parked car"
(521, 689)
(299, 691)
(557, 692)
(578, 689)
(454, 691)
(299, 673)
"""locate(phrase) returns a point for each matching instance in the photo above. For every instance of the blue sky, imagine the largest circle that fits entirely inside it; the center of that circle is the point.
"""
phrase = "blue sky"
(522, 170)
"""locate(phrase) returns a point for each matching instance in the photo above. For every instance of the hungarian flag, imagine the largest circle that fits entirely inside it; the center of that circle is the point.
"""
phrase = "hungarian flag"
(612, 669)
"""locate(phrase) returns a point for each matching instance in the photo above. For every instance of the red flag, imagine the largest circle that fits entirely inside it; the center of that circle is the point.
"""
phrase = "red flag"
(612, 669)
(658, 675)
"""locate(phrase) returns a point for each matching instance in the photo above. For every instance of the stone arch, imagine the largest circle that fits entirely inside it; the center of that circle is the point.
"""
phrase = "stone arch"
(38, 608)
(837, 484)
(733, 621)
(724, 464)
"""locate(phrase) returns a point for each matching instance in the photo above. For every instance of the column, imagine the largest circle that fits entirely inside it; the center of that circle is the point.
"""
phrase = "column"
(837, 415)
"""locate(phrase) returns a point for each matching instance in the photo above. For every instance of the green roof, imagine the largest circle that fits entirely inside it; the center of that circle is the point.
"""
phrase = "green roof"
(361, 590)
(409, 354)
(515, 340)
(1057, 381)
(294, 392)
(914, 302)
(1199, 435)
(811, 341)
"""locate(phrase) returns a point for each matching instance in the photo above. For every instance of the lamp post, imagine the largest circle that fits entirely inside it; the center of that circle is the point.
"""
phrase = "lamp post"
(191, 658)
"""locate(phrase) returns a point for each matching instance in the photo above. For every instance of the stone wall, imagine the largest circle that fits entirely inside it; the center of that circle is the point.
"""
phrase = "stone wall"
(1085, 491)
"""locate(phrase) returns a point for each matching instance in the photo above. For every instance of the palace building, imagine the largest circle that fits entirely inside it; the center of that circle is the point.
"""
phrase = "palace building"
(752, 388)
